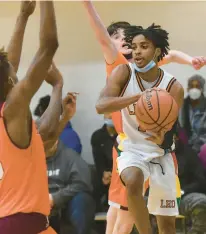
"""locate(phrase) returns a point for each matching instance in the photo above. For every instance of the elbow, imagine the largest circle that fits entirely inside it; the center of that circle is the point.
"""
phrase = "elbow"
(50, 45)
(100, 108)
(103, 108)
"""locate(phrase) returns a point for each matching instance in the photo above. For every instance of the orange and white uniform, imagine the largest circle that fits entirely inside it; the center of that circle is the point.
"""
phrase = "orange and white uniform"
(117, 191)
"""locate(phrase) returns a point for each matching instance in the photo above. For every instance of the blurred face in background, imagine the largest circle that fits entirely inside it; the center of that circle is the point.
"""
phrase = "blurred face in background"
(109, 124)
(194, 89)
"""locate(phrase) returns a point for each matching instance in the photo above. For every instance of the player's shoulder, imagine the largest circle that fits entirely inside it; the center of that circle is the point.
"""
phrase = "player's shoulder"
(120, 59)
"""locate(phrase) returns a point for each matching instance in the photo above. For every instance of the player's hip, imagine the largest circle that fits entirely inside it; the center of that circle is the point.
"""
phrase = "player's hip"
(22, 223)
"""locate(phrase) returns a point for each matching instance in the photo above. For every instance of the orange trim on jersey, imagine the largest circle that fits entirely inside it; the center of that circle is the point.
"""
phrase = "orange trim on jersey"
(125, 87)
(138, 78)
(169, 86)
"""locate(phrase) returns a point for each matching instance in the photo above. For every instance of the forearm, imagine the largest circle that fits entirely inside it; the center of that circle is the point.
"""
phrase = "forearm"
(49, 122)
(15, 45)
(179, 57)
(48, 29)
(103, 37)
(113, 104)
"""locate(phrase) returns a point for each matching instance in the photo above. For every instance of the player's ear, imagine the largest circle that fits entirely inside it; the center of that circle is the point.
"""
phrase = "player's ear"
(158, 52)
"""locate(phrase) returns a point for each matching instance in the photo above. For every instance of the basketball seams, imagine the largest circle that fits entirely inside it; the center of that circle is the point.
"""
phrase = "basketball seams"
(154, 121)
(158, 105)
(158, 125)
(171, 105)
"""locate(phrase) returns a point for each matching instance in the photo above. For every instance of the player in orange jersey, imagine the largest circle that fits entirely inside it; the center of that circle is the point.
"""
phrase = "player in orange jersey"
(24, 199)
(116, 52)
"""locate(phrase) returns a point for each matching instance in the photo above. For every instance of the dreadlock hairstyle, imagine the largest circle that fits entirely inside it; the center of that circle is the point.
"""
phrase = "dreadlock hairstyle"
(4, 73)
(114, 27)
(154, 33)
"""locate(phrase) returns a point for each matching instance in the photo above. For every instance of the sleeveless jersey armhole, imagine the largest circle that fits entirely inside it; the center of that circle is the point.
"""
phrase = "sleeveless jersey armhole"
(127, 82)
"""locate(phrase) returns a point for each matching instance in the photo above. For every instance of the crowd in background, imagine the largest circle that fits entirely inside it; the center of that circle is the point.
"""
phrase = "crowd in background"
(81, 190)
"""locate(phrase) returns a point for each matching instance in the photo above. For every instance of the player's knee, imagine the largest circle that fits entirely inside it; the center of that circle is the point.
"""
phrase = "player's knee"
(133, 179)
(123, 228)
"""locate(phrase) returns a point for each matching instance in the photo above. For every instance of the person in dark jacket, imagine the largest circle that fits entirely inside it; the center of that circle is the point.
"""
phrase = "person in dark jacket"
(193, 186)
(193, 113)
(70, 188)
(102, 142)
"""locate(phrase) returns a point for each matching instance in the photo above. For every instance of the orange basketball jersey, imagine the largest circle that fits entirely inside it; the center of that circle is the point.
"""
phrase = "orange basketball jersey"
(116, 116)
(23, 178)
(117, 192)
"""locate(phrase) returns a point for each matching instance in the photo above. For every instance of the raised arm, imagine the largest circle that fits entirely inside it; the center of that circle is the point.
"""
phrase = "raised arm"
(22, 92)
(110, 100)
(176, 56)
(49, 121)
(68, 111)
(109, 50)
(15, 45)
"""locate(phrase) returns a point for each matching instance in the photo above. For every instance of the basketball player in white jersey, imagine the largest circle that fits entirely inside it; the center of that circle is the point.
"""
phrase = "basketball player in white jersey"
(144, 155)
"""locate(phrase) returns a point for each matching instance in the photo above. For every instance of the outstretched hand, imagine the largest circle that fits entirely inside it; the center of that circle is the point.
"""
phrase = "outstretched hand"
(198, 62)
(28, 7)
(69, 105)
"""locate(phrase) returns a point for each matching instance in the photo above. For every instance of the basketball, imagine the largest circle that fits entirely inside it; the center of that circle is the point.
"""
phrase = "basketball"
(156, 110)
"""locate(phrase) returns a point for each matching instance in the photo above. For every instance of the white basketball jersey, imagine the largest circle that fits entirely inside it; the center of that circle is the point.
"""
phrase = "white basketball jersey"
(135, 141)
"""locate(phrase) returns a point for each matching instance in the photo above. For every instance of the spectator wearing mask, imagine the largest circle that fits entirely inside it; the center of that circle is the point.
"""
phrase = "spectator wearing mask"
(68, 136)
(193, 185)
(193, 116)
(102, 142)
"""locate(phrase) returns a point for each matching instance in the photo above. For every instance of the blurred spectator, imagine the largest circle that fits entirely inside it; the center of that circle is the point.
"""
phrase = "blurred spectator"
(193, 116)
(68, 136)
(193, 185)
(102, 142)
(70, 189)
(202, 155)
(71, 139)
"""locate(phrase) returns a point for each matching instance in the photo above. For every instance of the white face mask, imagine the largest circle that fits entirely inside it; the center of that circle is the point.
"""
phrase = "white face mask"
(194, 93)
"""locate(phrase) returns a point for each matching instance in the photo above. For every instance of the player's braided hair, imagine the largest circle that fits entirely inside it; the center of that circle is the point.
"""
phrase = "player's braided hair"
(154, 33)
(4, 73)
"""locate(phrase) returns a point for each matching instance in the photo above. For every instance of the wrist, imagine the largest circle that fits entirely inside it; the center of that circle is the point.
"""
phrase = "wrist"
(66, 118)
(23, 16)
(58, 85)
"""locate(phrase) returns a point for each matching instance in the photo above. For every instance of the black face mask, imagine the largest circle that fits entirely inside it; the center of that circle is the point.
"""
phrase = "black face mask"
(128, 56)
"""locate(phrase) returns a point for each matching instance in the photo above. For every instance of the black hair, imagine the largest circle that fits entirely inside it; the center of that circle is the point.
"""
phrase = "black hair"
(42, 105)
(4, 74)
(114, 27)
(154, 33)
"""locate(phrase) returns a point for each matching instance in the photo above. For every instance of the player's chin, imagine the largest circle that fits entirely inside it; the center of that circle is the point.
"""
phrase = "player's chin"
(140, 65)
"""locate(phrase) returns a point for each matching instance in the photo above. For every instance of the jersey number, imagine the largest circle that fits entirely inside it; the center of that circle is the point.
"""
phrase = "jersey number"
(1, 171)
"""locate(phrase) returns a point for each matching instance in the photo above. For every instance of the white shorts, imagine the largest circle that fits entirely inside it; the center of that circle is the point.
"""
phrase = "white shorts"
(162, 181)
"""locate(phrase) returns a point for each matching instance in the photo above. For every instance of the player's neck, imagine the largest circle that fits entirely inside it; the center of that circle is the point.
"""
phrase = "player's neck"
(151, 75)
